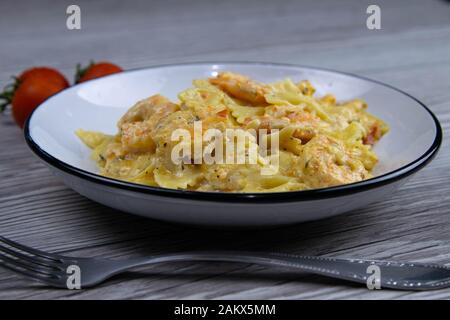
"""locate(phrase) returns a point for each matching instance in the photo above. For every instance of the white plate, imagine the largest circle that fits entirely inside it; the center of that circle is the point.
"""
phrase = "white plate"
(414, 139)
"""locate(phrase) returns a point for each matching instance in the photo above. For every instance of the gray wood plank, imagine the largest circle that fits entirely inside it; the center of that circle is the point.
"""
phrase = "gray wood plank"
(37, 209)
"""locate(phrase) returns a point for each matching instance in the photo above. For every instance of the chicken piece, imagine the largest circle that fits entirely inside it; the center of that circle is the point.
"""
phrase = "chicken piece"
(308, 125)
(241, 87)
(138, 124)
(327, 162)
(153, 108)
(137, 137)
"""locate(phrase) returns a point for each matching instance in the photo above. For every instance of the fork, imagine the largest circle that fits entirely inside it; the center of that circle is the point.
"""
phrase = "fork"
(55, 270)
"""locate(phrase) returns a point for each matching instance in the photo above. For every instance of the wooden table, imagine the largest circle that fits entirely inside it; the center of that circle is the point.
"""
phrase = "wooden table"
(411, 52)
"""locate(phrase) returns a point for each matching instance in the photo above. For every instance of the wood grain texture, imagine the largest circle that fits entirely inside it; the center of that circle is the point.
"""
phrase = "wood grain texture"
(411, 51)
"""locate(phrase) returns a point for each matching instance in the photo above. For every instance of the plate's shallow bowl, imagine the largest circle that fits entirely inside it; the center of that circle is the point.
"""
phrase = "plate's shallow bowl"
(414, 139)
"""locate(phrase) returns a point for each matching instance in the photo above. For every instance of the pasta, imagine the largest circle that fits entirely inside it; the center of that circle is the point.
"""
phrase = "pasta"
(290, 139)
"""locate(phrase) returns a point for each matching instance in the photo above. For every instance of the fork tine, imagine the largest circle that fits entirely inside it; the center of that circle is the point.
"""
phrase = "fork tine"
(32, 259)
(34, 276)
(36, 252)
(31, 268)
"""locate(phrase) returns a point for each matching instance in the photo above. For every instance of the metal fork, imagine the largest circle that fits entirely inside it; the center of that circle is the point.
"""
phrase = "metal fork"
(55, 270)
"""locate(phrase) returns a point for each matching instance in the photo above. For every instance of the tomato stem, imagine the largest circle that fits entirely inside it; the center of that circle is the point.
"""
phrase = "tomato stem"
(8, 93)
(81, 71)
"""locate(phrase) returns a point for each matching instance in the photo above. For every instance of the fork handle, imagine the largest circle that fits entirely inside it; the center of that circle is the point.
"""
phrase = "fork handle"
(395, 275)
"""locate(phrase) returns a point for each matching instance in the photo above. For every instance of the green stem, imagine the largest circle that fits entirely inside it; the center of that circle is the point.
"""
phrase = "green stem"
(8, 94)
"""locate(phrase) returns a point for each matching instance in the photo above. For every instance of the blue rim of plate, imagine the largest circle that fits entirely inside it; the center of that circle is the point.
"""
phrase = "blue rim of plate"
(235, 197)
